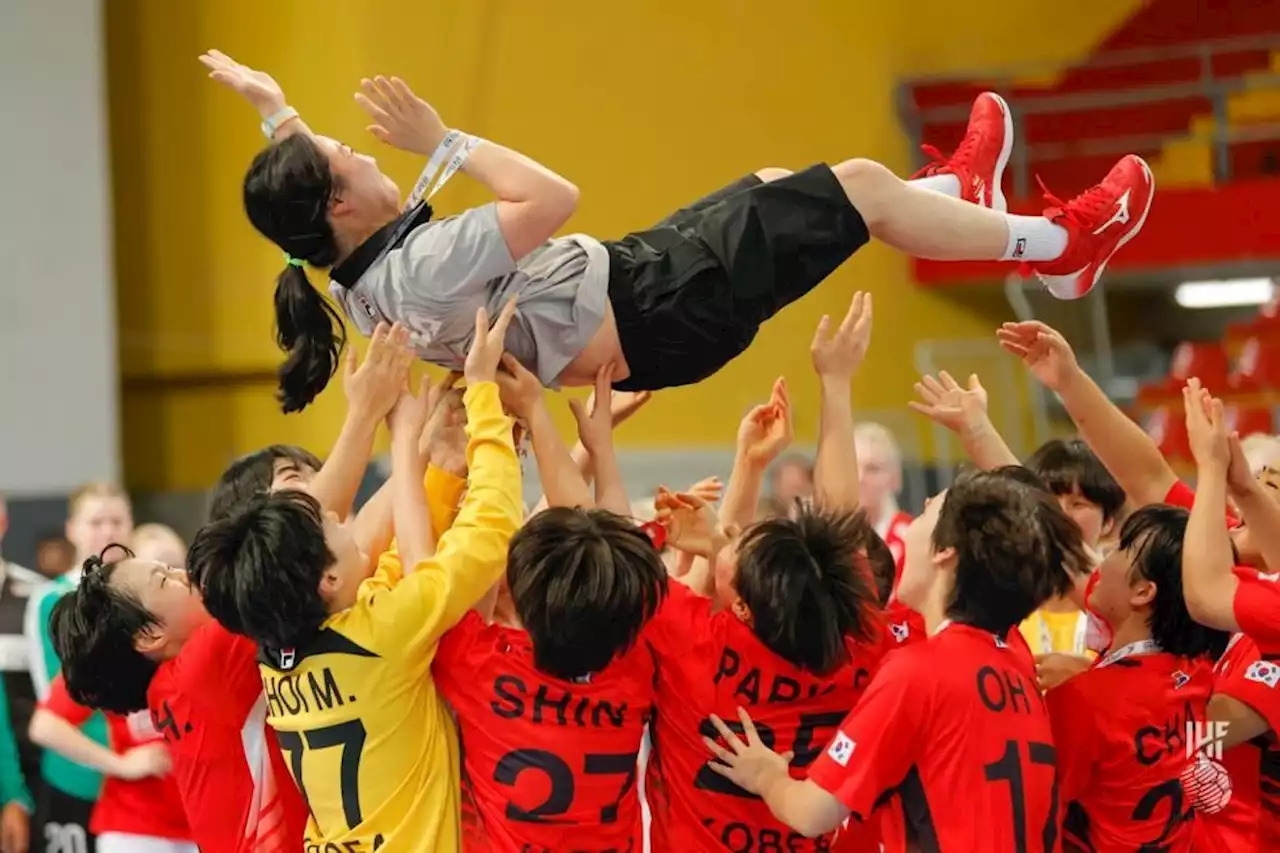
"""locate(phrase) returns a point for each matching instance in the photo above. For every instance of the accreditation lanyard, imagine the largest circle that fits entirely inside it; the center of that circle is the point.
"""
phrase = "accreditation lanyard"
(464, 144)
(1142, 647)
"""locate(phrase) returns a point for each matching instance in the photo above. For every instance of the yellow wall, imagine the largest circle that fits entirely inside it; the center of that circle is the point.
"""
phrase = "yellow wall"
(645, 105)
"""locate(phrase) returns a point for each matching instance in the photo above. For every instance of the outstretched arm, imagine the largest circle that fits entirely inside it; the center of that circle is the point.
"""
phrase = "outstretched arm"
(258, 88)
(595, 431)
(1128, 452)
(836, 360)
(523, 396)
(964, 412)
(1208, 582)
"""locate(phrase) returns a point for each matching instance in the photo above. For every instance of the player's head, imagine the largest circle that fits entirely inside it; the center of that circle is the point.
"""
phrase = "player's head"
(1249, 552)
(158, 543)
(1141, 581)
(990, 550)
(583, 583)
(98, 514)
(316, 199)
(275, 570)
(803, 585)
(126, 616)
(1085, 488)
(1261, 451)
(55, 555)
(879, 467)
(790, 480)
(883, 565)
(280, 466)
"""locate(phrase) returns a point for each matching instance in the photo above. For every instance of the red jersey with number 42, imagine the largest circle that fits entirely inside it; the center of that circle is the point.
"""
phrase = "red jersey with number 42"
(1122, 730)
(955, 731)
(548, 765)
(713, 663)
(207, 703)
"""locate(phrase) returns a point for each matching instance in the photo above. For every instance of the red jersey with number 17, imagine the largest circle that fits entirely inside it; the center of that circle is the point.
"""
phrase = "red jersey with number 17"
(713, 663)
(547, 765)
(955, 732)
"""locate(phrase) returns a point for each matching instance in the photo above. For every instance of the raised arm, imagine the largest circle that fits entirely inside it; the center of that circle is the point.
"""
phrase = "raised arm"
(836, 359)
(1128, 452)
(765, 432)
(261, 91)
(533, 201)
(964, 412)
(595, 433)
(522, 394)
(1208, 582)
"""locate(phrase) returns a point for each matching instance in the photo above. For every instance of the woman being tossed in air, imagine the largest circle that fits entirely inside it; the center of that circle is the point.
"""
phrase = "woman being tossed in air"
(669, 305)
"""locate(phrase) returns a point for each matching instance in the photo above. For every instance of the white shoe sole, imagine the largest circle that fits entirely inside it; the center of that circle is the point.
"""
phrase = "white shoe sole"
(998, 201)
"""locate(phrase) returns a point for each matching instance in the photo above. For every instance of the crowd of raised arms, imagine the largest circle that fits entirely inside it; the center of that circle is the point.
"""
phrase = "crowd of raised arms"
(1071, 653)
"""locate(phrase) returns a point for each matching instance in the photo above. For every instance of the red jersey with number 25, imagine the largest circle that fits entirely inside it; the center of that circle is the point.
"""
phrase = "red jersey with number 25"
(1122, 729)
(548, 765)
(713, 663)
(954, 729)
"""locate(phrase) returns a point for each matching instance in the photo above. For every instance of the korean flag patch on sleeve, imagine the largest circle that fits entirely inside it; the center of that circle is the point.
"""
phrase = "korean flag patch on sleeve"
(841, 749)
(1263, 672)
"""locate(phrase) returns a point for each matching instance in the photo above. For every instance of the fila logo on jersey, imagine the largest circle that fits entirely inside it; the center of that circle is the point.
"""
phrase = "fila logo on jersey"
(1000, 643)
(1180, 680)
(1270, 577)
(1263, 672)
(366, 307)
(900, 630)
(841, 749)
(288, 657)
(1121, 215)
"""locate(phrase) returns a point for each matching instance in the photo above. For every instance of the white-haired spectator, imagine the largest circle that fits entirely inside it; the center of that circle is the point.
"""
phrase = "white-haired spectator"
(1261, 451)
(880, 482)
(790, 480)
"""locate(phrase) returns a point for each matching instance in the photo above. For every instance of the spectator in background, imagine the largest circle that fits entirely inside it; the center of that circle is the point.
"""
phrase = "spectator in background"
(1261, 451)
(880, 483)
(55, 556)
(159, 542)
(791, 480)
(17, 701)
(98, 515)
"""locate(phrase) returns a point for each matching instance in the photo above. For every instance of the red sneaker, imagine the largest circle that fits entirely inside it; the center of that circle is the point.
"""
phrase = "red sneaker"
(983, 153)
(1098, 221)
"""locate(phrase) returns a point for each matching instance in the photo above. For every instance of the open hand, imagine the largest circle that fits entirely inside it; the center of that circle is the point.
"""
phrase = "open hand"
(373, 388)
(945, 402)
(401, 119)
(747, 762)
(256, 87)
(839, 356)
(622, 404)
(521, 391)
(487, 347)
(408, 420)
(766, 430)
(595, 430)
(1206, 429)
(708, 489)
(1042, 349)
(692, 525)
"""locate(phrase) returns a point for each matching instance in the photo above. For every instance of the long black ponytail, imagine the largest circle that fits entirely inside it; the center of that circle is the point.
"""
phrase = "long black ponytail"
(286, 196)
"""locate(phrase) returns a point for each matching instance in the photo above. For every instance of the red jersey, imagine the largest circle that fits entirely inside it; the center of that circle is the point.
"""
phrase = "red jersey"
(1122, 731)
(713, 663)
(548, 764)
(1257, 607)
(956, 732)
(150, 807)
(1182, 495)
(207, 703)
(1244, 674)
(903, 624)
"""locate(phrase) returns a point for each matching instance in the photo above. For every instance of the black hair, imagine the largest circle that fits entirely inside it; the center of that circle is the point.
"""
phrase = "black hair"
(251, 475)
(260, 569)
(287, 192)
(584, 582)
(884, 568)
(1013, 547)
(93, 630)
(807, 590)
(1152, 540)
(1066, 465)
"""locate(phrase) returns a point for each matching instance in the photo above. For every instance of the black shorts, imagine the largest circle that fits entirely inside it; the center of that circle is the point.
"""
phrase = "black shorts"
(690, 293)
(61, 823)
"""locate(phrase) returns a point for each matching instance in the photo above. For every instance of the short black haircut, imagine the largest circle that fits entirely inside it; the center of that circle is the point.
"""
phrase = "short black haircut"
(260, 569)
(1013, 547)
(251, 475)
(1066, 465)
(1152, 539)
(1066, 540)
(807, 587)
(584, 582)
(93, 630)
(884, 568)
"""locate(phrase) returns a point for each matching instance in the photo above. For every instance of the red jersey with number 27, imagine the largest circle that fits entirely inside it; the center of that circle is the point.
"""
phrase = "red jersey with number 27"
(548, 765)
(954, 729)
(713, 663)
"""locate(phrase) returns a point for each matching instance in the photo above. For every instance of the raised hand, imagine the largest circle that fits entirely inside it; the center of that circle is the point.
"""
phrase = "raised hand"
(1206, 429)
(595, 430)
(256, 87)
(1042, 349)
(445, 436)
(408, 419)
(373, 387)
(708, 489)
(839, 356)
(521, 391)
(486, 350)
(945, 402)
(766, 430)
(400, 118)
(691, 523)
(622, 404)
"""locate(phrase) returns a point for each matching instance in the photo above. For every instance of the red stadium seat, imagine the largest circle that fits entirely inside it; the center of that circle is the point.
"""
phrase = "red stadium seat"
(1257, 368)
(1205, 360)
(1167, 427)
(1248, 420)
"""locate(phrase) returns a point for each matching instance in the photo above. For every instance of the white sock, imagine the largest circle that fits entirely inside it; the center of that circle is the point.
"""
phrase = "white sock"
(945, 184)
(1034, 238)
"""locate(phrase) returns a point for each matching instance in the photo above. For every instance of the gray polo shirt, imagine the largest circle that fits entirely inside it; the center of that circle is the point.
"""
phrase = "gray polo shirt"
(432, 276)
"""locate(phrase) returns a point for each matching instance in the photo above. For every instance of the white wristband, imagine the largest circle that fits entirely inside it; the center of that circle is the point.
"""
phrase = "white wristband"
(272, 123)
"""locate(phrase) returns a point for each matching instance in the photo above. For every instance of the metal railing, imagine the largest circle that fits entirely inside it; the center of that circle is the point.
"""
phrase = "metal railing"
(1207, 83)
